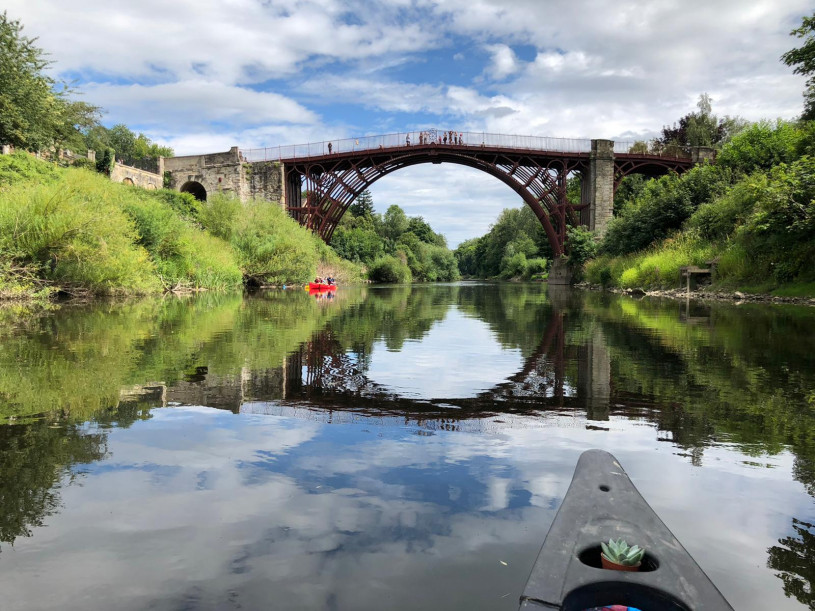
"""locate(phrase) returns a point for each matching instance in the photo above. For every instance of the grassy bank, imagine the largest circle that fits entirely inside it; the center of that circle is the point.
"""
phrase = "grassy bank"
(752, 214)
(72, 230)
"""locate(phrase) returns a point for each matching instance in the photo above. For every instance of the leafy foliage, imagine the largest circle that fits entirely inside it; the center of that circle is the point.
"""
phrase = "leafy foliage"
(390, 269)
(803, 58)
(761, 146)
(35, 112)
(662, 207)
(513, 242)
(129, 148)
(272, 248)
(754, 214)
(701, 128)
(379, 240)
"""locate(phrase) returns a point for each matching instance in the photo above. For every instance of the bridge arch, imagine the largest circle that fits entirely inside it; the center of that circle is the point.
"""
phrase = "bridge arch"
(333, 182)
(196, 189)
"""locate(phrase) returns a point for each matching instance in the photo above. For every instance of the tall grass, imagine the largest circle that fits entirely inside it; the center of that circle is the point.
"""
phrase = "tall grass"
(74, 230)
(271, 246)
(22, 167)
(70, 233)
(655, 267)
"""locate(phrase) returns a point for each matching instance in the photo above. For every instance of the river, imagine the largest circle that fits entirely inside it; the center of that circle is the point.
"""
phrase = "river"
(390, 447)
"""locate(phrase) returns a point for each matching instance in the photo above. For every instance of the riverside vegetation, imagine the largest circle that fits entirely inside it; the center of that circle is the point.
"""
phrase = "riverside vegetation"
(72, 230)
(752, 213)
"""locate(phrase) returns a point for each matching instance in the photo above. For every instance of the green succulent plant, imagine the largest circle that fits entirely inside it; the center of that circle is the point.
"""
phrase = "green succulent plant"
(620, 553)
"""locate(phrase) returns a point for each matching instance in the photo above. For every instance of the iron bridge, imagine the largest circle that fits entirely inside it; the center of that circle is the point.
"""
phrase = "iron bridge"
(323, 179)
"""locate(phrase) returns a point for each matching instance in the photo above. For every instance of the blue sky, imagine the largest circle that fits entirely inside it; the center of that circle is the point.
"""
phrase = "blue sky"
(204, 75)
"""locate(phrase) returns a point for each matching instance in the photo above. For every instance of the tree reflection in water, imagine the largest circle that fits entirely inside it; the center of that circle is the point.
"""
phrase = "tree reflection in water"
(794, 556)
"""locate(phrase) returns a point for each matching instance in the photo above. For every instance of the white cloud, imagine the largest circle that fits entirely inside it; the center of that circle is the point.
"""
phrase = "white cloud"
(503, 63)
(237, 42)
(192, 104)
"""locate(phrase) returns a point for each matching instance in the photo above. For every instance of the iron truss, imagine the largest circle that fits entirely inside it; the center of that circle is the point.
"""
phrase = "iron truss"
(320, 189)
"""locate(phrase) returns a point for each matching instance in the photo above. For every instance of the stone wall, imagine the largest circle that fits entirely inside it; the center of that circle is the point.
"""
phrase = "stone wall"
(134, 176)
(265, 180)
(219, 172)
(227, 173)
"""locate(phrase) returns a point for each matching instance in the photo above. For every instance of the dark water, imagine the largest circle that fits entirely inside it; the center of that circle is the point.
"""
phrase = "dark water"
(392, 448)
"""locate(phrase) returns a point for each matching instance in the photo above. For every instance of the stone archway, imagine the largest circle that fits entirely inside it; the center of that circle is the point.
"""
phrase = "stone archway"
(128, 181)
(196, 189)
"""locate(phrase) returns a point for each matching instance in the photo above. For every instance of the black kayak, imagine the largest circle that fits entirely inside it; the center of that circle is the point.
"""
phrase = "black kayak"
(603, 504)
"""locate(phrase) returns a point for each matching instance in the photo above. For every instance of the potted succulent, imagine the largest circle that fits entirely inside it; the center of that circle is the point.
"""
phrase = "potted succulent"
(618, 556)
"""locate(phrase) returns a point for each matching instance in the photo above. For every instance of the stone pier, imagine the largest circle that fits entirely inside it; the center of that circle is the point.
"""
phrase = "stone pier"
(598, 189)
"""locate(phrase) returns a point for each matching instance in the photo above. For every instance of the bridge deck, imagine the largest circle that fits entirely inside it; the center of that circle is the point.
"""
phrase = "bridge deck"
(573, 147)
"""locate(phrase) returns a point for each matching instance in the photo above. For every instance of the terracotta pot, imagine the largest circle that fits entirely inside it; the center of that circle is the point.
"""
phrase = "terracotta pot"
(613, 566)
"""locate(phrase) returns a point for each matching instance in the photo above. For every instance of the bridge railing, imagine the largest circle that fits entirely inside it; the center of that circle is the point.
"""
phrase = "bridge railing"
(654, 148)
(453, 138)
(412, 138)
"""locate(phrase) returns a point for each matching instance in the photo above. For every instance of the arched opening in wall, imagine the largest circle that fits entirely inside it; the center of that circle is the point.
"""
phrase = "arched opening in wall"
(196, 189)
(127, 181)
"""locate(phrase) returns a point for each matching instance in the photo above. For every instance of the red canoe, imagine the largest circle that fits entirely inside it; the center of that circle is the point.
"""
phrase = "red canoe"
(314, 286)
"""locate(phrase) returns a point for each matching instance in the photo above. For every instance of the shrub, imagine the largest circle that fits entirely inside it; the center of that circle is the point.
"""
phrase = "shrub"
(535, 268)
(106, 161)
(664, 205)
(184, 256)
(359, 244)
(389, 269)
(74, 235)
(184, 204)
(83, 163)
(22, 167)
(513, 266)
(761, 146)
(272, 247)
(718, 219)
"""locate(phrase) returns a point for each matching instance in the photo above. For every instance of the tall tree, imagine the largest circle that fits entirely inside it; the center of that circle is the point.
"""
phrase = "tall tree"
(701, 128)
(363, 205)
(803, 58)
(33, 113)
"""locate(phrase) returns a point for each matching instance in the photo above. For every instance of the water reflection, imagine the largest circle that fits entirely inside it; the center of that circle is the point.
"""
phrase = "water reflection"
(400, 436)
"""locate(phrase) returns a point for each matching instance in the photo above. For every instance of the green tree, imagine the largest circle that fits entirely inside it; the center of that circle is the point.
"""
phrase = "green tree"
(129, 146)
(363, 205)
(394, 223)
(35, 110)
(701, 128)
(422, 229)
(803, 58)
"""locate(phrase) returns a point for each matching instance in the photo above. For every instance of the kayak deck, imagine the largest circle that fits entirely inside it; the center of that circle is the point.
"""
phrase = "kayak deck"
(601, 504)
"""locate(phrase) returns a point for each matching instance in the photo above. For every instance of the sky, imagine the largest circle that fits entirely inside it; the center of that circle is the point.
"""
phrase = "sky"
(205, 75)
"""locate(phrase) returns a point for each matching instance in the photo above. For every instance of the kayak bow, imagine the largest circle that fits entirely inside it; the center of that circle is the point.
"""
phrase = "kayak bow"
(601, 504)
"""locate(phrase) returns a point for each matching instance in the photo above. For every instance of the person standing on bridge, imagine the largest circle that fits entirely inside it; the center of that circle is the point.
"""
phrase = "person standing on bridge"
(330, 147)
(407, 140)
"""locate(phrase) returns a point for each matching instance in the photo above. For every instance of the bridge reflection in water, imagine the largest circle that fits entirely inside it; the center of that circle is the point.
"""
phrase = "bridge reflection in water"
(323, 380)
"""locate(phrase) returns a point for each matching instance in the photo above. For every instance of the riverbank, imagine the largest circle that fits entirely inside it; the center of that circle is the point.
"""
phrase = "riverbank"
(702, 294)
(72, 232)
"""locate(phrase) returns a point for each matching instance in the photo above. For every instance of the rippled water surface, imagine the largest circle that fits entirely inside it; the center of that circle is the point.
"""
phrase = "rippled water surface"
(390, 448)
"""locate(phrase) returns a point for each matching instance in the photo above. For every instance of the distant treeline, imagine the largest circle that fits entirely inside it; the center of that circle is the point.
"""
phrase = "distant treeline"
(393, 246)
